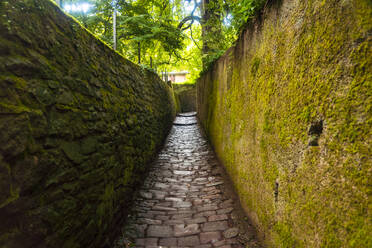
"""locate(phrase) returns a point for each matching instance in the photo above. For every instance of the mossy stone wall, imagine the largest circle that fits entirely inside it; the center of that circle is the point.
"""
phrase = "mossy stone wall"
(78, 126)
(186, 96)
(288, 111)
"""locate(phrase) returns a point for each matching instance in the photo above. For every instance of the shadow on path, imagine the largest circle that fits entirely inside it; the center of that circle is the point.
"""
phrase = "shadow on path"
(187, 200)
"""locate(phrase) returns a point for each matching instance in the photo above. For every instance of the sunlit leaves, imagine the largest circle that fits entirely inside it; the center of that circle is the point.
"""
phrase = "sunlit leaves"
(243, 10)
(151, 27)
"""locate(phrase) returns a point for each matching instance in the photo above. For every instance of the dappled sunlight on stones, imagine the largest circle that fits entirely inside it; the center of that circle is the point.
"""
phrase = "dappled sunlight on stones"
(185, 230)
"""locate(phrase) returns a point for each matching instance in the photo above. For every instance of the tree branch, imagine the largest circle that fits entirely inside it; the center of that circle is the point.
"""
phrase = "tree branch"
(191, 17)
(186, 19)
(192, 38)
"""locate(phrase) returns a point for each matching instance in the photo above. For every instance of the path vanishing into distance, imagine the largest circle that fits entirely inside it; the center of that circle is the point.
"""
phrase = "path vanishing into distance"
(187, 200)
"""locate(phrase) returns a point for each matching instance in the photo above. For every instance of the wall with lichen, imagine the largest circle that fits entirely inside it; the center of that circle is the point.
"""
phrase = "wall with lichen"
(288, 111)
(78, 126)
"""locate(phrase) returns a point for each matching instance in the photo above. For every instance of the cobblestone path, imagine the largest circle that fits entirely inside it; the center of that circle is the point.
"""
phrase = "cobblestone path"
(184, 202)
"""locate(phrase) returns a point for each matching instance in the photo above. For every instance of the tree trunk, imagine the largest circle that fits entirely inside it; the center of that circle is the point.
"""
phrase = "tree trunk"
(139, 52)
(114, 27)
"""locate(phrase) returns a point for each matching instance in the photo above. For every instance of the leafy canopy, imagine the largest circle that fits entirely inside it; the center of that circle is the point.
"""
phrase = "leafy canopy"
(149, 31)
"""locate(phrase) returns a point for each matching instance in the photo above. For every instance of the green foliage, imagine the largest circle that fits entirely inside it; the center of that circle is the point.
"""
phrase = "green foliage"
(147, 30)
(148, 25)
(242, 11)
(210, 58)
(224, 25)
(150, 28)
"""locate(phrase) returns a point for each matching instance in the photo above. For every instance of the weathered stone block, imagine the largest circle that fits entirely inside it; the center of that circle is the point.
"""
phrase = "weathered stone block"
(215, 226)
(161, 231)
(206, 237)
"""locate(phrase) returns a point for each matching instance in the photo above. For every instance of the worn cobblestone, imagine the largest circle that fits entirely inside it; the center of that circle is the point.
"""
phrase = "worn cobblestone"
(181, 203)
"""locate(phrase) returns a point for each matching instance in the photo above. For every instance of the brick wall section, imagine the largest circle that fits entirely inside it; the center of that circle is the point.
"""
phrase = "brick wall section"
(78, 126)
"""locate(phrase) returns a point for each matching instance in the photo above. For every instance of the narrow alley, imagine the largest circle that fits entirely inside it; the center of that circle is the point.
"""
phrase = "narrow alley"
(186, 200)
(277, 153)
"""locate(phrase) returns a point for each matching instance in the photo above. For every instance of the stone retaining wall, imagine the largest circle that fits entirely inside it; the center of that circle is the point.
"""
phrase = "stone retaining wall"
(78, 126)
(288, 111)
(186, 96)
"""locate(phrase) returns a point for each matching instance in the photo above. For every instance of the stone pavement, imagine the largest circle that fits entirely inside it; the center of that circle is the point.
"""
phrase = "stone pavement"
(184, 202)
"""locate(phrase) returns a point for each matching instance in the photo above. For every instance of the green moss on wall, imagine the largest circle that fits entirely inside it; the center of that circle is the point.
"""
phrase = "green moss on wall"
(307, 62)
(185, 95)
(78, 126)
